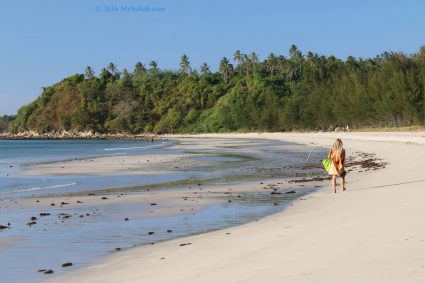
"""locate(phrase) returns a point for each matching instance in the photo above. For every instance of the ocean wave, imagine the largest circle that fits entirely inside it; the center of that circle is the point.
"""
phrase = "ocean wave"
(45, 188)
(116, 153)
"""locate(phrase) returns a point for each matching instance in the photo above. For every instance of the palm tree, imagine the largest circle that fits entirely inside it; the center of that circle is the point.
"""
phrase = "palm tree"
(139, 69)
(105, 75)
(310, 63)
(89, 73)
(291, 71)
(238, 58)
(205, 69)
(126, 78)
(254, 59)
(296, 58)
(294, 53)
(271, 63)
(225, 69)
(112, 69)
(245, 61)
(281, 64)
(185, 64)
(154, 66)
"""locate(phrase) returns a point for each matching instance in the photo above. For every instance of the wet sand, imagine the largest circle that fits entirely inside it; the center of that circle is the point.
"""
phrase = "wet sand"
(373, 232)
(7, 241)
(234, 180)
(137, 164)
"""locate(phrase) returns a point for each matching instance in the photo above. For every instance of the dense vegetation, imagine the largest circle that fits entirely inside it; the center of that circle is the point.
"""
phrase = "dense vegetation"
(303, 91)
(5, 122)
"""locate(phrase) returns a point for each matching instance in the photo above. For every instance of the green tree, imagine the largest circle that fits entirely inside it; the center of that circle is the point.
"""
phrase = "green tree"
(271, 63)
(253, 58)
(205, 69)
(89, 73)
(139, 70)
(113, 70)
(185, 64)
(238, 58)
(153, 66)
(279, 93)
(226, 69)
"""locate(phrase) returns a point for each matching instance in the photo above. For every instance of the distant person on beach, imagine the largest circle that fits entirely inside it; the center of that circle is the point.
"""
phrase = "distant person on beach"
(337, 155)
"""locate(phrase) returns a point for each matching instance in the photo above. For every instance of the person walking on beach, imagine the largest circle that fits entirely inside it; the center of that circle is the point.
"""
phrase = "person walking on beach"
(337, 155)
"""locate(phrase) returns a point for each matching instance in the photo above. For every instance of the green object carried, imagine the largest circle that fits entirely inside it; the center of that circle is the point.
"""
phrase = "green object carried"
(327, 164)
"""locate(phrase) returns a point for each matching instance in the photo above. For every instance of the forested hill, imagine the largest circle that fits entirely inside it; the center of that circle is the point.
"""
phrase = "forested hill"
(302, 91)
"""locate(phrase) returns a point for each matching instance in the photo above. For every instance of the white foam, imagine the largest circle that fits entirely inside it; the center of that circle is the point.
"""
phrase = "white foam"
(46, 187)
(127, 148)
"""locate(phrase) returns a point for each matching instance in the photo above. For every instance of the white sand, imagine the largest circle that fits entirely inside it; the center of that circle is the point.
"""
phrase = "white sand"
(374, 232)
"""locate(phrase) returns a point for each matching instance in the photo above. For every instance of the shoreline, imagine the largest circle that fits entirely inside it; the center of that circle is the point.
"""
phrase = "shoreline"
(314, 235)
(189, 197)
(75, 135)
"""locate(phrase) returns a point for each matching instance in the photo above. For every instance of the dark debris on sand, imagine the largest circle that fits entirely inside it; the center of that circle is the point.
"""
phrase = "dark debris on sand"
(46, 271)
(306, 166)
(368, 162)
(67, 264)
(304, 180)
(364, 161)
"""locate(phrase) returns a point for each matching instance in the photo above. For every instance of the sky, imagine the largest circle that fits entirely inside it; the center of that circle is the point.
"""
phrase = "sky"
(44, 41)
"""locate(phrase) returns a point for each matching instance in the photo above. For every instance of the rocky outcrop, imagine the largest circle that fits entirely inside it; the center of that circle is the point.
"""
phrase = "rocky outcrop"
(33, 135)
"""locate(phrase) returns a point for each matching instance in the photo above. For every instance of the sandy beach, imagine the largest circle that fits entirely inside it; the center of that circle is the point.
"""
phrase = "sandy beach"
(110, 204)
(373, 232)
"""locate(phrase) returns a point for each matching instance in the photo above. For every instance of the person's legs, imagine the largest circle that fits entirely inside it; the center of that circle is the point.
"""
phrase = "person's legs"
(343, 183)
(334, 183)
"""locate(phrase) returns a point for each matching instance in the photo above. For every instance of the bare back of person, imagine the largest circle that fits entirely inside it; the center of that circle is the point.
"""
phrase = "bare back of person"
(337, 155)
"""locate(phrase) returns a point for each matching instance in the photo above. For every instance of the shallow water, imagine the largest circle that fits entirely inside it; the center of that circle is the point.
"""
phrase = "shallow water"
(84, 241)
(15, 155)
(217, 158)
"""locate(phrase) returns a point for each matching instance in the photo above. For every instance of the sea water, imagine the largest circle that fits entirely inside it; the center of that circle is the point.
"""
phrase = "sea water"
(85, 241)
(16, 155)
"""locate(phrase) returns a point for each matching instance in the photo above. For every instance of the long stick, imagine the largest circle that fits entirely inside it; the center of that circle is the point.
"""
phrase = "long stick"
(308, 157)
